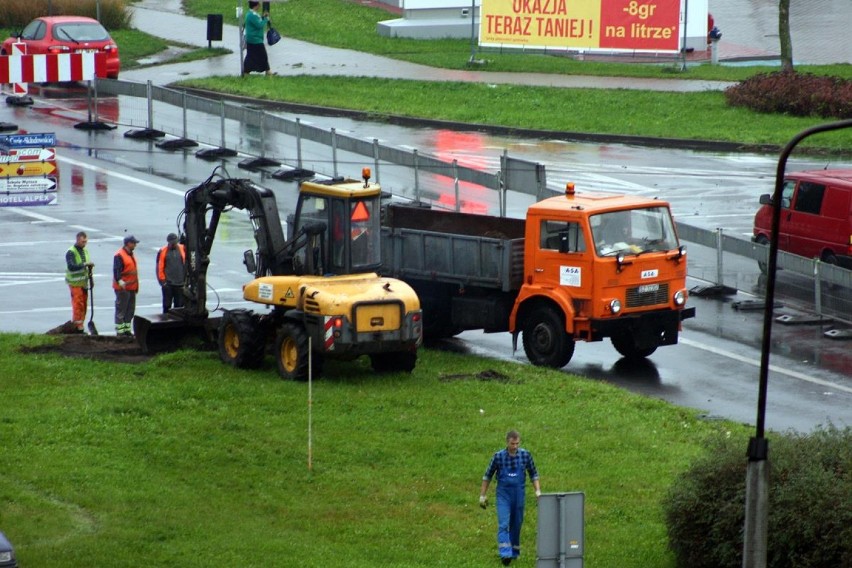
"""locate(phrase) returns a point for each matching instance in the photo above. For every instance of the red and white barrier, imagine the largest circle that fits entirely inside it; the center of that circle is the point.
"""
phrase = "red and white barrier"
(52, 68)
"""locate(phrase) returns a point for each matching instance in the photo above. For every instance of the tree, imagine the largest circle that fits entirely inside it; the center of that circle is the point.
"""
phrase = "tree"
(784, 35)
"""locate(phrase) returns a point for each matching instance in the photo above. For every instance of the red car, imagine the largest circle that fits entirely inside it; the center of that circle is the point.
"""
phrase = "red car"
(67, 34)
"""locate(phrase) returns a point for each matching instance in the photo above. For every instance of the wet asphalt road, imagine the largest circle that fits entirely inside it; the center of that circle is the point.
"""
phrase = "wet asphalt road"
(111, 186)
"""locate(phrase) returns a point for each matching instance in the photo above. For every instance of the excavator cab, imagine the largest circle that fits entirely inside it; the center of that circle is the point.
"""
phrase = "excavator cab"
(349, 210)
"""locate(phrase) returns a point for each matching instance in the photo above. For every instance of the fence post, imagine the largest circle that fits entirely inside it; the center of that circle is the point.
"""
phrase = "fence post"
(299, 142)
(334, 150)
(222, 121)
(456, 183)
(376, 159)
(818, 287)
(720, 275)
(416, 175)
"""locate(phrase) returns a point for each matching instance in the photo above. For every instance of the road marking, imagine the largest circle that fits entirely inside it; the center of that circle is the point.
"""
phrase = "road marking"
(125, 177)
(773, 368)
(38, 216)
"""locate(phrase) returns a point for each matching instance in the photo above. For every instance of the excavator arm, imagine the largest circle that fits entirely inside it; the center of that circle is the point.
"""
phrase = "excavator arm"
(203, 207)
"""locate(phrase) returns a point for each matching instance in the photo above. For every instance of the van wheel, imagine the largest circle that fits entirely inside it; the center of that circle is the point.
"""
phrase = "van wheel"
(762, 240)
(626, 346)
(545, 341)
(240, 339)
(291, 352)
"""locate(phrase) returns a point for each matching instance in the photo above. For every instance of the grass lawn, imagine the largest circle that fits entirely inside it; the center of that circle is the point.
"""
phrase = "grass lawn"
(185, 461)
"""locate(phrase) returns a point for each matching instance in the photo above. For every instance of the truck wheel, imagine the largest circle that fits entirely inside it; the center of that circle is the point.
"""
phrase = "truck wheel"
(240, 340)
(762, 240)
(399, 361)
(545, 341)
(626, 346)
(291, 352)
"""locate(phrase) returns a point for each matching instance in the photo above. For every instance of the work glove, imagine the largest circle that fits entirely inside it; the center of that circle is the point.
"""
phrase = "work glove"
(483, 501)
(122, 284)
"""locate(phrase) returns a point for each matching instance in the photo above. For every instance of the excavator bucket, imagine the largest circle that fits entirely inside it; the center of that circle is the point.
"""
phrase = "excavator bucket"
(160, 333)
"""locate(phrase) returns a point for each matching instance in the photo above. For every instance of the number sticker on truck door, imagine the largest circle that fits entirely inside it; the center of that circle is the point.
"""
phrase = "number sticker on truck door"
(570, 276)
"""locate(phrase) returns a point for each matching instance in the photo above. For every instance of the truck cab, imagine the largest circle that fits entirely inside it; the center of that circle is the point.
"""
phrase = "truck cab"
(604, 265)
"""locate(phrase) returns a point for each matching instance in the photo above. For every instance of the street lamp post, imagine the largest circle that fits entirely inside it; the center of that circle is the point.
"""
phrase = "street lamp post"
(757, 476)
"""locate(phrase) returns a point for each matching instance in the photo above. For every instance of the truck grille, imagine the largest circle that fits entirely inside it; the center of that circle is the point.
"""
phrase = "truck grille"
(647, 295)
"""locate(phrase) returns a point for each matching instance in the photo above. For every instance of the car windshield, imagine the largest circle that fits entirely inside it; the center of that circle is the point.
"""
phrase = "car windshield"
(635, 231)
(80, 31)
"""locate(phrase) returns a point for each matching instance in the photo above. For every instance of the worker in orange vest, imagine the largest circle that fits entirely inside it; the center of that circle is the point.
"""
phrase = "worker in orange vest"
(125, 282)
(171, 271)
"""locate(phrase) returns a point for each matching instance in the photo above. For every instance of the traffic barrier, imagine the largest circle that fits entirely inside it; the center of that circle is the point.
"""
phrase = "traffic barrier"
(52, 67)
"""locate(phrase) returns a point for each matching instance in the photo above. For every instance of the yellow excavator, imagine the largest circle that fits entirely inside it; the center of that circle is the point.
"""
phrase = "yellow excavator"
(319, 290)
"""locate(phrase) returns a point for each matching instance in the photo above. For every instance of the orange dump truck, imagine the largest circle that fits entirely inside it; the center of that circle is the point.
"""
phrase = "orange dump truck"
(580, 267)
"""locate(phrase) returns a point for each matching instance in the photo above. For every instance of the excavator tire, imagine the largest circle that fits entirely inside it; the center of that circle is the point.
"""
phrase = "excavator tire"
(292, 353)
(241, 339)
(397, 361)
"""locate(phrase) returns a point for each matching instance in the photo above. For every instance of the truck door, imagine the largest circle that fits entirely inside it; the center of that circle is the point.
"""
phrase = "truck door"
(561, 258)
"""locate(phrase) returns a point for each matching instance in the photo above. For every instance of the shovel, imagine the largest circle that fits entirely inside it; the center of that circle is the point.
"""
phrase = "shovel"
(92, 329)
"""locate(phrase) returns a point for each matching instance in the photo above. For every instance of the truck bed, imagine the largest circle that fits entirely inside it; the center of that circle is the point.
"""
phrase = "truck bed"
(458, 248)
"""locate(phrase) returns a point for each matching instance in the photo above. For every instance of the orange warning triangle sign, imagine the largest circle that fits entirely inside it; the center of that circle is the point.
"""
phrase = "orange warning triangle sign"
(360, 213)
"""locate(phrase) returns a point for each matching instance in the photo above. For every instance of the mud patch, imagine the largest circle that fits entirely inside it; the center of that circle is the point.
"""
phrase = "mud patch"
(487, 375)
(99, 347)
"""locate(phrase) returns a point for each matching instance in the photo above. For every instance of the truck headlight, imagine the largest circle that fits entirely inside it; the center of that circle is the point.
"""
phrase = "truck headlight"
(5, 556)
(615, 306)
(680, 297)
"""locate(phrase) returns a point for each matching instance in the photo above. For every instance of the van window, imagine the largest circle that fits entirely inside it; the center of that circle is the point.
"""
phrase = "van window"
(787, 193)
(809, 197)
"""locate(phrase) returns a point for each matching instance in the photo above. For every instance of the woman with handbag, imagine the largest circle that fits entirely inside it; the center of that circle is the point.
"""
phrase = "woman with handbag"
(256, 59)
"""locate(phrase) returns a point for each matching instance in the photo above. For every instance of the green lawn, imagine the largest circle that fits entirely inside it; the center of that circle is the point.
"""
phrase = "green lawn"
(187, 462)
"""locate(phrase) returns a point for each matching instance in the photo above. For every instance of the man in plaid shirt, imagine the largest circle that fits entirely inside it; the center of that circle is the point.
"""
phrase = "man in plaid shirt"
(511, 466)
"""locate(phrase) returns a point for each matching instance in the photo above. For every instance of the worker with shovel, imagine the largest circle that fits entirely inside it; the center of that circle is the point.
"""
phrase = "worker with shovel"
(78, 272)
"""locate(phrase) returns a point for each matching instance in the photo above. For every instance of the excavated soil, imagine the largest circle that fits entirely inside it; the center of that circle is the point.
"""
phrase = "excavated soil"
(100, 347)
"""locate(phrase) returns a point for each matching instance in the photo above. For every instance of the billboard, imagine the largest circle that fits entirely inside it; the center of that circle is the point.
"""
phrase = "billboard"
(611, 25)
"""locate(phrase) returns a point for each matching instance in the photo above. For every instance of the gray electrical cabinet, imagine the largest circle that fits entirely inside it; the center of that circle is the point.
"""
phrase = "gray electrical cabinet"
(559, 541)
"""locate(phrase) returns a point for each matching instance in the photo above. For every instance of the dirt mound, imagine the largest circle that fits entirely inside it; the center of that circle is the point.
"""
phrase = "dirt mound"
(100, 347)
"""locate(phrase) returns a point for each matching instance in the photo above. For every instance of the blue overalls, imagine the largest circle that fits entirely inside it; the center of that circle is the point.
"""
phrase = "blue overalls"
(511, 479)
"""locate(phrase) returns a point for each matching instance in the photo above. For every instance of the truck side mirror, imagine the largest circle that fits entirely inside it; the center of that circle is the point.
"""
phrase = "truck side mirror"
(765, 199)
(248, 260)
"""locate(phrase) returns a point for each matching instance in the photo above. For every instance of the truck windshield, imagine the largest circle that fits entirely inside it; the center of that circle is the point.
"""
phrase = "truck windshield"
(633, 231)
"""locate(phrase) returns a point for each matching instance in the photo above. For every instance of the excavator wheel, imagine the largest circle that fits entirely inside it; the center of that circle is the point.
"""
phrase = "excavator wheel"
(241, 340)
(398, 361)
(291, 352)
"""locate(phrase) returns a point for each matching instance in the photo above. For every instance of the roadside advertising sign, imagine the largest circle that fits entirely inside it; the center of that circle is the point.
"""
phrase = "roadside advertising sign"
(27, 184)
(589, 25)
(28, 155)
(27, 199)
(27, 169)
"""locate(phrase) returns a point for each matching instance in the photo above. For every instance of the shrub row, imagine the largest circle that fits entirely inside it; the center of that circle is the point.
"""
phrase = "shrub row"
(810, 492)
(797, 94)
(16, 14)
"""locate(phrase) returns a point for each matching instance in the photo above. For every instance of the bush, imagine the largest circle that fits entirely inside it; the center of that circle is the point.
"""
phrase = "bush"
(16, 15)
(810, 492)
(797, 94)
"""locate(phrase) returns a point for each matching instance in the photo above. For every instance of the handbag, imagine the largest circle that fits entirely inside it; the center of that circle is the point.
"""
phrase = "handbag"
(272, 36)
